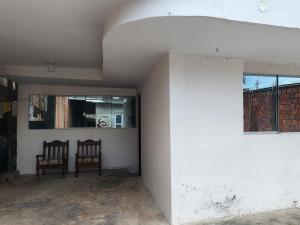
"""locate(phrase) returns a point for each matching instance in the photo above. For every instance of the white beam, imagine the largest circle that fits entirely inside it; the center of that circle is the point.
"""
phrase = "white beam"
(59, 72)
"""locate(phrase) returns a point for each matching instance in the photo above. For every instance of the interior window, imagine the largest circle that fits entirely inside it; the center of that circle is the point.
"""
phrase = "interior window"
(49, 112)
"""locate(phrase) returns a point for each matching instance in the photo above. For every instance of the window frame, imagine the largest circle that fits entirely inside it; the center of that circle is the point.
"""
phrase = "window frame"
(278, 76)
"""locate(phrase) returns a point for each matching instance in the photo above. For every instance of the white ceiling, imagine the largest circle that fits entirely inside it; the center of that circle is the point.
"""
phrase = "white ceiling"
(69, 32)
(137, 46)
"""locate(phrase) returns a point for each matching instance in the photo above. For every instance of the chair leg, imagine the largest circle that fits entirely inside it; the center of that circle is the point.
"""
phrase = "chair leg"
(63, 172)
(43, 172)
(100, 169)
(76, 168)
(37, 173)
(67, 168)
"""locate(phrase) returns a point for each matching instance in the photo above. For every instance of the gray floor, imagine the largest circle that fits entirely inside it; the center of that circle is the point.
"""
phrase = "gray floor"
(112, 199)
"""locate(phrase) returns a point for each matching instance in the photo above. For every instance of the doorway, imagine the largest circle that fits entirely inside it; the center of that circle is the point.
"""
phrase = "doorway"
(140, 132)
(8, 125)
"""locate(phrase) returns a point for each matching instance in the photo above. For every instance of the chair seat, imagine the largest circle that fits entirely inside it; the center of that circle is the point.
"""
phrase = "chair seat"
(87, 159)
(50, 162)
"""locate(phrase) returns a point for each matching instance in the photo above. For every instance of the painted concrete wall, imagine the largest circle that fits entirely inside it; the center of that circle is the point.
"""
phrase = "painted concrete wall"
(156, 169)
(217, 170)
(119, 146)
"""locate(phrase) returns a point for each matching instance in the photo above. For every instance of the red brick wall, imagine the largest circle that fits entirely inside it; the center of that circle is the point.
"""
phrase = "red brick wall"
(261, 114)
(258, 112)
(289, 109)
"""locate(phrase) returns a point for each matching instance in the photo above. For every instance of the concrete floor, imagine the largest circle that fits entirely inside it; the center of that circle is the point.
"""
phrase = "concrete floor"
(112, 199)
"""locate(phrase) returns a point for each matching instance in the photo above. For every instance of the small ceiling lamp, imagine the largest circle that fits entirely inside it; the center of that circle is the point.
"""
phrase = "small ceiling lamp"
(263, 5)
(51, 66)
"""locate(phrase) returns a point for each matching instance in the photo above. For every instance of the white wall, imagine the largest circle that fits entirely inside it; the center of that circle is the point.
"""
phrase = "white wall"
(217, 170)
(156, 169)
(119, 146)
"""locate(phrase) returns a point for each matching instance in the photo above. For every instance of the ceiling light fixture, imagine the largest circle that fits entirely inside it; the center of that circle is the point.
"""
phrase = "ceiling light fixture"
(51, 68)
(263, 5)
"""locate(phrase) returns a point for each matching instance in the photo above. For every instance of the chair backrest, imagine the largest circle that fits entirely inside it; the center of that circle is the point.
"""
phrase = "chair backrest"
(55, 149)
(89, 148)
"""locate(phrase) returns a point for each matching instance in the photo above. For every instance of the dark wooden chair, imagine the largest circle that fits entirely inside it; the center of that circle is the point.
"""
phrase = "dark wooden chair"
(88, 155)
(55, 156)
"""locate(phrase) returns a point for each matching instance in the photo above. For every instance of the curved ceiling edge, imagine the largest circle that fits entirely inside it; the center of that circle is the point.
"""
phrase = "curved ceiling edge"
(278, 13)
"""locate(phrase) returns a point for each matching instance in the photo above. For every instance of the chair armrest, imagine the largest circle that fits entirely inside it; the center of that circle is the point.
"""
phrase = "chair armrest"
(39, 156)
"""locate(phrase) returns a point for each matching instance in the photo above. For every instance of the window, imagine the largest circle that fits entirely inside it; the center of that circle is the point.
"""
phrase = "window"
(41, 111)
(260, 99)
(118, 120)
(98, 111)
(123, 112)
(289, 104)
(69, 111)
(271, 103)
(50, 112)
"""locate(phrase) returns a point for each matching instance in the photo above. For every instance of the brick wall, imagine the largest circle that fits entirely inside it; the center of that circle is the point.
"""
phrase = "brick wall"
(289, 109)
(62, 117)
(260, 109)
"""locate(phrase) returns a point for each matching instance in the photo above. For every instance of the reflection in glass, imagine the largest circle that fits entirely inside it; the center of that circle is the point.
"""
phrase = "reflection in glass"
(69, 111)
(41, 112)
(98, 111)
(48, 112)
(77, 111)
(123, 112)
(260, 103)
(289, 104)
(62, 112)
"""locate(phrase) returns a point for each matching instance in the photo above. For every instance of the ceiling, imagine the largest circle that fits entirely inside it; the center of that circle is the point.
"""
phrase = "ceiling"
(67, 33)
(139, 45)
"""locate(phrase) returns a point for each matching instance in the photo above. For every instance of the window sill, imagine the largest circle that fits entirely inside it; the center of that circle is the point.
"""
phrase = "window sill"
(261, 133)
(270, 132)
(85, 128)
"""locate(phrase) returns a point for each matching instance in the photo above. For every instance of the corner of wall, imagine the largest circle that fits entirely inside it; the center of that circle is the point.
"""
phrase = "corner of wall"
(156, 169)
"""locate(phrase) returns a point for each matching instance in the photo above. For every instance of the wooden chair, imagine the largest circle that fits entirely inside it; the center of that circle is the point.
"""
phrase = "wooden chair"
(55, 156)
(88, 155)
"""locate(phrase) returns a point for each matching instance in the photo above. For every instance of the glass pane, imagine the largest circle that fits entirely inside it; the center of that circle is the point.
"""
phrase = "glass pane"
(3, 82)
(98, 111)
(62, 112)
(289, 104)
(2, 119)
(41, 112)
(49, 112)
(69, 111)
(123, 112)
(75, 108)
(260, 103)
